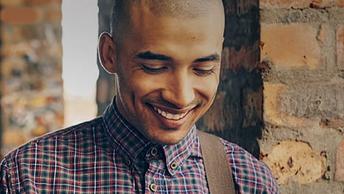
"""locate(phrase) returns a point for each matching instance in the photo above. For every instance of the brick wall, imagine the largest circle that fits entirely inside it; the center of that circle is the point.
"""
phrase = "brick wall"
(31, 58)
(302, 55)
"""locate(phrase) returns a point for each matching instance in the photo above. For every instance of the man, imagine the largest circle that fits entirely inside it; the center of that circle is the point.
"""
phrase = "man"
(165, 56)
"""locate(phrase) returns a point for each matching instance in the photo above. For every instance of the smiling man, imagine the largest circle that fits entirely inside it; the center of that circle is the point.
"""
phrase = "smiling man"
(165, 55)
(167, 70)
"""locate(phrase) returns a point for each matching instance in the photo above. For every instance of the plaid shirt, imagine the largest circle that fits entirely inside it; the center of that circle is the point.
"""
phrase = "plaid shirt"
(107, 155)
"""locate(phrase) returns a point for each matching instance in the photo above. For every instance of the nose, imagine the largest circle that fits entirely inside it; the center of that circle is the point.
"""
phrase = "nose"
(179, 91)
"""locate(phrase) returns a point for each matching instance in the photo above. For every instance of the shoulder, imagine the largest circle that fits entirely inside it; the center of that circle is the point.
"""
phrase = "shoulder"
(37, 159)
(250, 174)
(44, 146)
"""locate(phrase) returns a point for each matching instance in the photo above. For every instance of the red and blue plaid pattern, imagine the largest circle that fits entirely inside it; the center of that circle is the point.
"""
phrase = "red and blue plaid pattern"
(107, 155)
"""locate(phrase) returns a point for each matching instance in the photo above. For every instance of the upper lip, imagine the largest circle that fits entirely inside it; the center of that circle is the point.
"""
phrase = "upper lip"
(172, 110)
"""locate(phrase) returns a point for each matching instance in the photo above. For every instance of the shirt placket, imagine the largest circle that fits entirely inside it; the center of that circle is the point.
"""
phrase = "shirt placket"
(153, 177)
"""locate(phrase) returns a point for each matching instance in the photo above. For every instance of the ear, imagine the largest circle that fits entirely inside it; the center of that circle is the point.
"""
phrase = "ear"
(107, 52)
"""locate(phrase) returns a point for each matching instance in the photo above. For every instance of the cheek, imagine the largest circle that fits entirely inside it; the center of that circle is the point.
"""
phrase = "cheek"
(207, 88)
(143, 85)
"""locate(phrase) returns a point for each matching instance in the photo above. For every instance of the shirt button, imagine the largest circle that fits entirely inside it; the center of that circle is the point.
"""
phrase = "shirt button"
(153, 187)
(154, 152)
(128, 162)
(173, 165)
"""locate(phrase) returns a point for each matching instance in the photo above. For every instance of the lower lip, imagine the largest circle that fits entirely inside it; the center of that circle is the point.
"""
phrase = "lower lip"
(171, 124)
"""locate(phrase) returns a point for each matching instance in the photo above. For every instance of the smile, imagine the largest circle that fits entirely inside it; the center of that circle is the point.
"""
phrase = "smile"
(170, 116)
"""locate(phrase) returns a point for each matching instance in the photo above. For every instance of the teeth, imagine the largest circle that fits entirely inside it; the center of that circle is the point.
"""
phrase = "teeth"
(169, 115)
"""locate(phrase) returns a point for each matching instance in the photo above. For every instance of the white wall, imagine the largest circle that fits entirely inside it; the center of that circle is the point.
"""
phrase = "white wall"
(79, 39)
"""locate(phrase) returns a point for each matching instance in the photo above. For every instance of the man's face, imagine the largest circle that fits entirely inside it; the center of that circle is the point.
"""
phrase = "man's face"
(168, 72)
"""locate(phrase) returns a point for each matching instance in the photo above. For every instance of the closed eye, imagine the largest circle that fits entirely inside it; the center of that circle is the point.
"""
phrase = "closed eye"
(204, 71)
(152, 69)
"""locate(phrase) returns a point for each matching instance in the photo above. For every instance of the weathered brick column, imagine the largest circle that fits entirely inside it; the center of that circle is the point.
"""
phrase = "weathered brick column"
(31, 58)
(302, 49)
(237, 112)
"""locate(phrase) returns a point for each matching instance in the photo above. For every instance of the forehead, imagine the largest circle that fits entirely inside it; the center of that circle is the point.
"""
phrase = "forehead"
(178, 8)
(145, 24)
(181, 38)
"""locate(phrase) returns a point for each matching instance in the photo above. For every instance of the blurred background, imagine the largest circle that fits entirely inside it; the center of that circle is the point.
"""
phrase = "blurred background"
(79, 70)
(48, 67)
(281, 95)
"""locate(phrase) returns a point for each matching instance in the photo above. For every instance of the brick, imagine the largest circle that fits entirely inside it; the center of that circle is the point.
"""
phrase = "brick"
(54, 15)
(11, 2)
(273, 114)
(272, 93)
(37, 2)
(20, 15)
(295, 4)
(284, 3)
(339, 174)
(304, 105)
(276, 97)
(295, 161)
(340, 47)
(41, 2)
(314, 100)
(290, 46)
(340, 3)
(322, 3)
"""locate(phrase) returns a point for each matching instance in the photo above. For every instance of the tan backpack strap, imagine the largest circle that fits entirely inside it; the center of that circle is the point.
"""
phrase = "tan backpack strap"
(217, 169)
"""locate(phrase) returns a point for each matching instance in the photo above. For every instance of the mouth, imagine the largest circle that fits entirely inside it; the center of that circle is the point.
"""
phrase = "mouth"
(169, 115)
(171, 118)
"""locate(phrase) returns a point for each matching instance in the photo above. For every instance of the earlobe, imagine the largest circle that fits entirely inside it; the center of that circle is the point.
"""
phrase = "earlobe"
(106, 52)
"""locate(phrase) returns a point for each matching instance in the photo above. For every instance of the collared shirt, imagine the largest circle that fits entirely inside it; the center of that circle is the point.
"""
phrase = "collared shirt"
(108, 155)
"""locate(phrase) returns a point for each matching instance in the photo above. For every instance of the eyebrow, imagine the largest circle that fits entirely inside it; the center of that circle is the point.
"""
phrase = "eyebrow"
(148, 55)
(213, 57)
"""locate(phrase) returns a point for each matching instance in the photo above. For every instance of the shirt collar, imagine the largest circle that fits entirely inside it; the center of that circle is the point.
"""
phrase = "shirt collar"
(176, 154)
(123, 134)
(134, 144)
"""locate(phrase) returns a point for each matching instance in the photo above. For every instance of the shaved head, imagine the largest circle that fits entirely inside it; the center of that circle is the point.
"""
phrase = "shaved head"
(179, 8)
(122, 9)
(166, 55)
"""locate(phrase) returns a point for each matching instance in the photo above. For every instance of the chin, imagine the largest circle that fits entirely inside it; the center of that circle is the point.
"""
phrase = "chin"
(167, 137)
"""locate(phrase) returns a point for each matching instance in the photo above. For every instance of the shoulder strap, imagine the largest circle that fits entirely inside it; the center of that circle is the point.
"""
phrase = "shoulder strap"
(218, 172)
